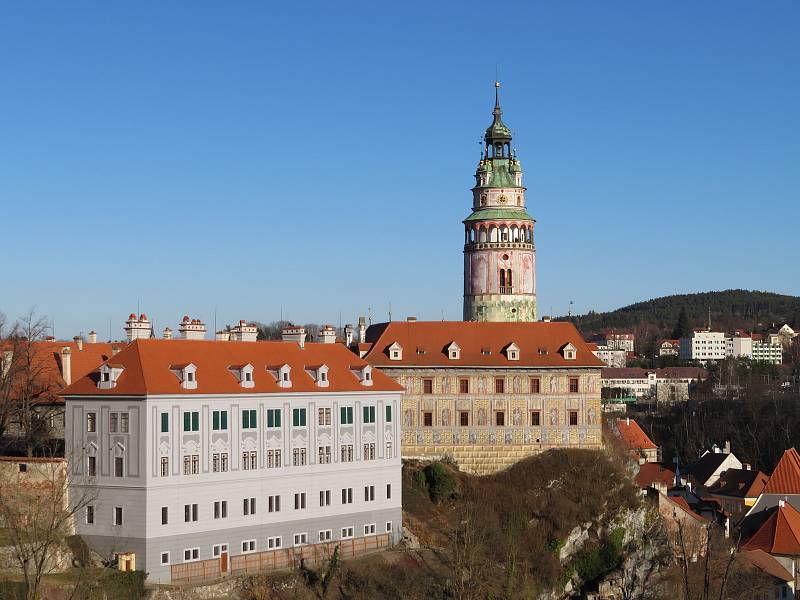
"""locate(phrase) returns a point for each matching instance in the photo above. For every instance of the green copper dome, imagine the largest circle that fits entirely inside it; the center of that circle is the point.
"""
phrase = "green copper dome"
(498, 132)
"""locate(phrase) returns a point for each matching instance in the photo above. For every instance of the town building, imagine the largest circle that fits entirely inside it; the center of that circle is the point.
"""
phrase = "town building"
(655, 476)
(204, 457)
(618, 340)
(636, 441)
(709, 467)
(613, 357)
(670, 384)
(669, 348)
(704, 345)
(499, 252)
(489, 394)
(783, 484)
(738, 489)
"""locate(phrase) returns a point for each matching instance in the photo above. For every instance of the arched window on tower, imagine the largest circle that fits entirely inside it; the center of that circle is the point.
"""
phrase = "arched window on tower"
(506, 282)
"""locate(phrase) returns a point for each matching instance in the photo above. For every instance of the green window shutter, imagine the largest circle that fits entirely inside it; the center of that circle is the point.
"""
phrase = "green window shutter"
(195, 421)
(224, 420)
(295, 417)
(187, 421)
(366, 414)
(388, 414)
(271, 418)
(277, 417)
(164, 422)
(343, 415)
(302, 417)
(253, 419)
(215, 420)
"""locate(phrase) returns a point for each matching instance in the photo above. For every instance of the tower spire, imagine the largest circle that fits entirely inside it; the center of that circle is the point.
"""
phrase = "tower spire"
(497, 112)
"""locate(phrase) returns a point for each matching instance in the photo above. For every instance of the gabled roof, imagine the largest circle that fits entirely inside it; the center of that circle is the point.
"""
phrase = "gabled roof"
(779, 534)
(147, 364)
(473, 337)
(785, 479)
(705, 466)
(684, 505)
(739, 483)
(665, 373)
(652, 473)
(634, 436)
(769, 564)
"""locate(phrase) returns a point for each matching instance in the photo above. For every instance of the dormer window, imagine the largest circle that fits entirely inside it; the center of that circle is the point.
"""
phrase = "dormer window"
(186, 374)
(395, 351)
(453, 351)
(319, 373)
(282, 375)
(486, 351)
(512, 351)
(243, 374)
(364, 373)
(569, 351)
(420, 350)
(108, 376)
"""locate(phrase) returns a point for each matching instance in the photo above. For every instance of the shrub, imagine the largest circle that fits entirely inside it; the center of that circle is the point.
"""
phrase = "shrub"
(440, 481)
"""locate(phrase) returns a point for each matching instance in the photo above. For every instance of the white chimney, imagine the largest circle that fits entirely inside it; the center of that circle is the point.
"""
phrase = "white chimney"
(628, 421)
(727, 447)
(192, 329)
(411, 319)
(348, 334)
(222, 336)
(781, 503)
(92, 337)
(362, 330)
(78, 342)
(546, 319)
(167, 334)
(294, 334)
(244, 332)
(66, 364)
(327, 335)
(137, 328)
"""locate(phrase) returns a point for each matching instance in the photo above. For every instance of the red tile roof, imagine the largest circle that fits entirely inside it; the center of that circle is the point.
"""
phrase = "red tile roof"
(769, 564)
(633, 436)
(681, 502)
(146, 368)
(666, 373)
(779, 534)
(539, 343)
(651, 473)
(785, 479)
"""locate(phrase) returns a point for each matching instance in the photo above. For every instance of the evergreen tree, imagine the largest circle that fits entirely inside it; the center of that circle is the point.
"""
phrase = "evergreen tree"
(682, 327)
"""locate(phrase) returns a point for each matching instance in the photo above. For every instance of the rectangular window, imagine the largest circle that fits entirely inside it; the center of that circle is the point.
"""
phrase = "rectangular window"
(219, 420)
(427, 386)
(190, 513)
(573, 385)
(347, 453)
(91, 422)
(499, 385)
(274, 503)
(369, 529)
(221, 509)
(300, 539)
(388, 491)
(300, 501)
(248, 546)
(573, 417)
(119, 466)
(347, 495)
(273, 417)
(191, 554)
(164, 422)
(299, 417)
(500, 418)
(535, 418)
(369, 414)
(389, 450)
(117, 515)
(195, 464)
(325, 535)
(90, 514)
(223, 462)
(369, 493)
(249, 419)
(463, 418)
(273, 543)
(324, 416)
(463, 386)
(388, 414)
(324, 497)
(165, 558)
(347, 532)
(274, 459)
(248, 506)
(535, 385)
(164, 515)
(191, 421)
(124, 420)
(92, 466)
(215, 463)
(113, 422)
(369, 451)
(164, 466)
(298, 457)
(388, 526)
(427, 419)
(346, 415)
(324, 455)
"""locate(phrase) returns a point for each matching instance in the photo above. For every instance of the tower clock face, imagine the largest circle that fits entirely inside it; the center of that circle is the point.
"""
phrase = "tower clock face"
(503, 199)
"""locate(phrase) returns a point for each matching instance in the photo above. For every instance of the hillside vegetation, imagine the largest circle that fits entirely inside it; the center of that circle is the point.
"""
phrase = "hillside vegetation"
(750, 310)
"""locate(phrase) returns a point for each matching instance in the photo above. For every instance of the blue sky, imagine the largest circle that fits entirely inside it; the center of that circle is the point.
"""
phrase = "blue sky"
(316, 158)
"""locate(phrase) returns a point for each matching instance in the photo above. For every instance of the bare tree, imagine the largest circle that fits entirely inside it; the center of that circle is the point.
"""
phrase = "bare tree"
(38, 515)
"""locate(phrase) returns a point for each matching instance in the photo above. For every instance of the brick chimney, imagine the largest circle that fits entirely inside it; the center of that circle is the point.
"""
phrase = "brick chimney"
(66, 364)
(294, 334)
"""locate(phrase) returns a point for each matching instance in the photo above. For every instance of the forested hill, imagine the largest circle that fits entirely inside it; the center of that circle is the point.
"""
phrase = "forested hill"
(750, 310)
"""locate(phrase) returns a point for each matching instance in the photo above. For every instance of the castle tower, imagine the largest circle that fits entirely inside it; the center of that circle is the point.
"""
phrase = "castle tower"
(499, 254)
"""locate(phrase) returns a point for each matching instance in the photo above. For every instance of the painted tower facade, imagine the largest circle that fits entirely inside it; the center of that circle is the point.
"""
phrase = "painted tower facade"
(499, 253)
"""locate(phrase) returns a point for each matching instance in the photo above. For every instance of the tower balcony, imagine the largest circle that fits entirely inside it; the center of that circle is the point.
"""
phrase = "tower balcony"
(498, 246)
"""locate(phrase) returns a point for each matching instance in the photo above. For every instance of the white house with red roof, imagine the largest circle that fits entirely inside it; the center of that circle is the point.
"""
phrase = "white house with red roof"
(209, 457)
(636, 440)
